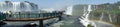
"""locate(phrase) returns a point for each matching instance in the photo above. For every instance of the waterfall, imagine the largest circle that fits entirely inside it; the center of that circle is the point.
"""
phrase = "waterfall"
(101, 17)
(69, 10)
(28, 7)
(87, 13)
(17, 6)
(110, 18)
(85, 18)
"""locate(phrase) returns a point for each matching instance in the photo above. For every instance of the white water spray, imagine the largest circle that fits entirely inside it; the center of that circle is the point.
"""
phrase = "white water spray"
(17, 6)
(69, 10)
(85, 18)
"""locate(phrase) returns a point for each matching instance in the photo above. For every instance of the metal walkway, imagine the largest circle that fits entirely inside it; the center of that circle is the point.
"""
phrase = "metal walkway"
(40, 17)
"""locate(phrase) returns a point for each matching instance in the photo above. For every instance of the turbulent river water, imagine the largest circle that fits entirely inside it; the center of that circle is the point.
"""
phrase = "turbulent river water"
(72, 21)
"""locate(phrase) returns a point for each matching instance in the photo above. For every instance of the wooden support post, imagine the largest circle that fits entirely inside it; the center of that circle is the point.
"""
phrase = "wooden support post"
(40, 23)
(60, 18)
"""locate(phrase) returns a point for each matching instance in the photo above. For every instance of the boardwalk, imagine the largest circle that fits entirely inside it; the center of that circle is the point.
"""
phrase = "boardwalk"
(29, 17)
(66, 21)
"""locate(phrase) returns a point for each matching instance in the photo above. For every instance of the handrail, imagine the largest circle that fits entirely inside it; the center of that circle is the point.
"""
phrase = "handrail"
(35, 19)
(29, 19)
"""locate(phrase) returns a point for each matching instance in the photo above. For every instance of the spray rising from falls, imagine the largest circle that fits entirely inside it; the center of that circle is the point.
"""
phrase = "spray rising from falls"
(85, 18)
(69, 10)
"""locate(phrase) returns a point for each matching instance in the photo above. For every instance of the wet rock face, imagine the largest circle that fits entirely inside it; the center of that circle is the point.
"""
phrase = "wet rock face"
(107, 17)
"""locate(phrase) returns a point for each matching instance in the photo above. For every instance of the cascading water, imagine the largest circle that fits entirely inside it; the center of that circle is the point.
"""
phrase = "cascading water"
(17, 6)
(28, 7)
(101, 17)
(85, 18)
(110, 18)
(69, 10)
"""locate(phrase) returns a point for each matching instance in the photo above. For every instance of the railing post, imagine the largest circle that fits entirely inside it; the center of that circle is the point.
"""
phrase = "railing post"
(60, 18)
(40, 23)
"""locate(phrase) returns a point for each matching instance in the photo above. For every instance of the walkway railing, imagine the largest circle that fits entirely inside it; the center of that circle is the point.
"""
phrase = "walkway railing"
(34, 17)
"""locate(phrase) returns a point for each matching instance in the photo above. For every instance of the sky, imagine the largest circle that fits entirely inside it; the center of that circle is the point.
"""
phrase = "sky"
(62, 3)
